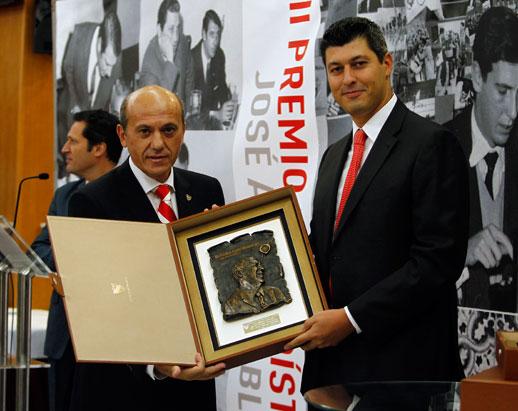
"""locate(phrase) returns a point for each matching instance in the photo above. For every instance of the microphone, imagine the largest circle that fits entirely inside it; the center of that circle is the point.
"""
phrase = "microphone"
(41, 176)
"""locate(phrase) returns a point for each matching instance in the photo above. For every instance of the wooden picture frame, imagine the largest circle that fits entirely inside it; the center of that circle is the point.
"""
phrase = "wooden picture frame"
(255, 335)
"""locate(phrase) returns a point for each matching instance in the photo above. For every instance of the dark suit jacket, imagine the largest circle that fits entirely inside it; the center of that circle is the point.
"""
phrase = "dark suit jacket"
(214, 91)
(475, 290)
(57, 336)
(75, 70)
(396, 255)
(73, 88)
(177, 77)
(118, 196)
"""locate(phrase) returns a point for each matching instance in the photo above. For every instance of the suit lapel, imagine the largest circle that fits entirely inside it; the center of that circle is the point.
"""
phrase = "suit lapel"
(183, 192)
(462, 130)
(377, 156)
(133, 198)
(326, 201)
(199, 78)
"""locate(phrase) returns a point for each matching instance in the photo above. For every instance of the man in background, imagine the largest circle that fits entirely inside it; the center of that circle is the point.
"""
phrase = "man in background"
(147, 188)
(91, 150)
(167, 60)
(389, 229)
(209, 71)
(488, 134)
(91, 64)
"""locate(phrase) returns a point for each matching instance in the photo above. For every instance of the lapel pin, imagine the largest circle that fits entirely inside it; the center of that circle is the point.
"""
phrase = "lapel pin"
(188, 197)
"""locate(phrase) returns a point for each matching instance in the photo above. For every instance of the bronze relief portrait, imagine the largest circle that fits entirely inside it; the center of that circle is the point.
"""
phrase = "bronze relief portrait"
(248, 274)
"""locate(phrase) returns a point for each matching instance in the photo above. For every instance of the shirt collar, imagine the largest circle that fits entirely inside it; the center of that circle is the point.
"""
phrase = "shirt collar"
(374, 125)
(480, 145)
(147, 183)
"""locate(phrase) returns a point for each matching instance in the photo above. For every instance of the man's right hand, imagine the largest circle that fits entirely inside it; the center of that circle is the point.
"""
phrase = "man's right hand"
(488, 246)
(198, 372)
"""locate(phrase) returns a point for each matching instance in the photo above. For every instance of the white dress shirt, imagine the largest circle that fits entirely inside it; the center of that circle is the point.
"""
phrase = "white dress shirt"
(149, 184)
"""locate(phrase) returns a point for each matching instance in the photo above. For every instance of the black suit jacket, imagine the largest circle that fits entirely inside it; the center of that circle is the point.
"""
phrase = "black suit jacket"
(396, 255)
(119, 196)
(214, 89)
(476, 289)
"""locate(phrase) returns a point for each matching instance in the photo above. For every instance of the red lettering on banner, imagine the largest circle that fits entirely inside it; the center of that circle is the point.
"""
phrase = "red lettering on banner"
(282, 407)
(299, 19)
(300, 46)
(294, 159)
(299, 11)
(283, 382)
(285, 378)
(295, 125)
(287, 178)
(299, 6)
(285, 363)
(290, 72)
(290, 101)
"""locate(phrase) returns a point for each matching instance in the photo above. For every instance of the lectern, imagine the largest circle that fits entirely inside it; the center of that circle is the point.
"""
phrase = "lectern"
(16, 257)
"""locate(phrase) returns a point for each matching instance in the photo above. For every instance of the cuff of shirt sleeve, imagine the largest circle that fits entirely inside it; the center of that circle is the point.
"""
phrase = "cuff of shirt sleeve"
(464, 276)
(353, 403)
(351, 319)
(154, 373)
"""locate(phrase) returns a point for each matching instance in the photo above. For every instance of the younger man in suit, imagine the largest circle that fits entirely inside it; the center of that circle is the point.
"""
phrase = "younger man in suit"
(488, 134)
(208, 61)
(167, 60)
(147, 188)
(91, 65)
(389, 229)
(91, 150)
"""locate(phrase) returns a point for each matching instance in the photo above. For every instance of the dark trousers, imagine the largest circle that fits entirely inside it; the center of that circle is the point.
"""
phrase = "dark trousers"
(111, 387)
(61, 377)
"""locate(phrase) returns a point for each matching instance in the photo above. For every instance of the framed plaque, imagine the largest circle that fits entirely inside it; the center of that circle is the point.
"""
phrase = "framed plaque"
(250, 276)
(234, 283)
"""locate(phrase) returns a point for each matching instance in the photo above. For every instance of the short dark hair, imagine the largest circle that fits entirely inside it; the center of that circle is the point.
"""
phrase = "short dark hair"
(124, 109)
(101, 127)
(346, 30)
(167, 5)
(110, 33)
(211, 15)
(496, 39)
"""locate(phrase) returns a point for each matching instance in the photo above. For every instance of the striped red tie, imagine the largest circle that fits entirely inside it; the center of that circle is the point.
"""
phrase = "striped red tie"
(165, 209)
(356, 162)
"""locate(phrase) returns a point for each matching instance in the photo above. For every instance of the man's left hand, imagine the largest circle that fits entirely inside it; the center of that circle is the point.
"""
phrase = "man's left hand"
(324, 329)
(198, 372)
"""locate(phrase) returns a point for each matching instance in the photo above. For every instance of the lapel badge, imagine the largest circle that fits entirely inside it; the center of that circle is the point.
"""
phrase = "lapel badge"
(188, 197)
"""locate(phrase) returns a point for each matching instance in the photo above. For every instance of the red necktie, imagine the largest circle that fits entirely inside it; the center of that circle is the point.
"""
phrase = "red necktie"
(163, 208)
(356, 162)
